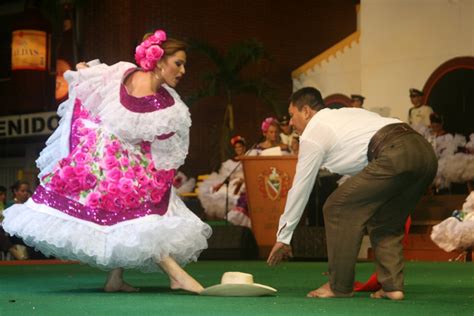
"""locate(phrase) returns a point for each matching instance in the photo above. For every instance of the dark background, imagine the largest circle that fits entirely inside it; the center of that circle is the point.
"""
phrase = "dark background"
(293, 32)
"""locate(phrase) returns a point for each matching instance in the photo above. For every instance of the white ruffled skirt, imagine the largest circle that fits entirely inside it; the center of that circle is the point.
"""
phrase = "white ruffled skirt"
(452, 234)
(134, 244)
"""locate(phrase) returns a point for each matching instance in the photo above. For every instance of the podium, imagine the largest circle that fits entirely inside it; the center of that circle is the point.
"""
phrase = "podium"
(267, 181)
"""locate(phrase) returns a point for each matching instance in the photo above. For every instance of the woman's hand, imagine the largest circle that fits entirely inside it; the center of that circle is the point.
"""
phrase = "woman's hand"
(82, 65)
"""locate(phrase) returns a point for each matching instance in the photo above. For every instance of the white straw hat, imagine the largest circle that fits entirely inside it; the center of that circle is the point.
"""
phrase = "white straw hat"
(238, 284)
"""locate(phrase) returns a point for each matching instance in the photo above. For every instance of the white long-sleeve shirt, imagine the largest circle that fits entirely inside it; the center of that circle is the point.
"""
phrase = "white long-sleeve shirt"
(335, 139)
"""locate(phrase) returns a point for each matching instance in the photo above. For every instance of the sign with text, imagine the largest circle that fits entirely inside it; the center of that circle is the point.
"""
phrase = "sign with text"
(34, 124)
(29, 50)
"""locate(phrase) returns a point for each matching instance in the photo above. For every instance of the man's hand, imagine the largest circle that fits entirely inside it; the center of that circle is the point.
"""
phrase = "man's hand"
(280, 251)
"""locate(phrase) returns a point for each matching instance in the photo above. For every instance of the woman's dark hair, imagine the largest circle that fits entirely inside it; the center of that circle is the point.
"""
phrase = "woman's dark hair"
(436, 118)
(3, 189)
(16, 186)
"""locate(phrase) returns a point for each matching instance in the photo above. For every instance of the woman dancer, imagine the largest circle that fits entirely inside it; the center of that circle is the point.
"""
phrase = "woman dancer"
(106, 196)
(213, 191)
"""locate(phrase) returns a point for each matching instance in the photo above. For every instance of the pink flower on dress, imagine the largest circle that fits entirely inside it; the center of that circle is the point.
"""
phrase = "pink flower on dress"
(125, 185)
(103, 186)
(57, 184)
(81, 170)
(146, 146)
(151, 168)
(91, 138)
(93, 200)
(67, 172)
(113, 175)
(118, 203)
(129, 174)
(89, 181)
(156, 195)
(112, 148)
(159, 182)
(124, 162)
(107, 203)
(82, 158)
(113, 189)
(144, 190)
(143, 180)
(109, 162)
(74, 186)
(132, 200)
(65, 162)
(138, 170)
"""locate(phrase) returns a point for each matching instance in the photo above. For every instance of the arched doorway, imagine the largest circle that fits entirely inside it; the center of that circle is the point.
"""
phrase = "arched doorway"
(450, 92)
(337, 101)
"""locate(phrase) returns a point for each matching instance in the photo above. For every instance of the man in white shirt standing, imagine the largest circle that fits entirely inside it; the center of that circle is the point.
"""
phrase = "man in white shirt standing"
(390, 166)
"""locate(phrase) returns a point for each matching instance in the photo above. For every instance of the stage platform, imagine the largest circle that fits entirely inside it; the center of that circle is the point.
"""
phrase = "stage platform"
(73, 289)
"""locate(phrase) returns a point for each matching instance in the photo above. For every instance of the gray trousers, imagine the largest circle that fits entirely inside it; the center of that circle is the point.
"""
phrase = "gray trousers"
(379, 199)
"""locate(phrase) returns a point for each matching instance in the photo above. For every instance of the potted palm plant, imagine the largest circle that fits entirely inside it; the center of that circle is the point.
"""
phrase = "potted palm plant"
(226, 80)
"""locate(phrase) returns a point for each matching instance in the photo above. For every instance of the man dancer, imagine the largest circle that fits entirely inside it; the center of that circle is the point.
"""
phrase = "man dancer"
(390, 166)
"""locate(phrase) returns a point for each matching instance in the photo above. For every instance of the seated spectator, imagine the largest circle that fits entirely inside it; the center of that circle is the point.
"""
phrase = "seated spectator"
(357, 101)
(183, 184)
(453, 166)
(439, 138)
(295, 146)
(213, 191)
(287, 133)
(17, 251)
(20, 192)
(271, 131)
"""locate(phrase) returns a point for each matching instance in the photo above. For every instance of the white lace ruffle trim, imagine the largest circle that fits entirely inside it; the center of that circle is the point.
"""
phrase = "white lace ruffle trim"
(98, 88)
(135, 244)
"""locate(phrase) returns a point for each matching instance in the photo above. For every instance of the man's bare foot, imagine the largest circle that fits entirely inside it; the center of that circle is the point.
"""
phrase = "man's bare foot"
(324, 292)
(394, 295)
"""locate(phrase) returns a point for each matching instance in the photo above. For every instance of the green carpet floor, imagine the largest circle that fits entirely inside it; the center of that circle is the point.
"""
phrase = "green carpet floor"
(431, 289)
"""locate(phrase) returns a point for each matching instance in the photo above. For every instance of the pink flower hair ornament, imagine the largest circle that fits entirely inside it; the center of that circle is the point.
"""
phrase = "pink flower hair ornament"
(236, 139)
(149, 52)
(267, 122)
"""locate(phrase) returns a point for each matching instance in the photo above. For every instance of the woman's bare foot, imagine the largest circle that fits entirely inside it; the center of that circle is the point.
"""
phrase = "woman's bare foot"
(187, 283)
(120, 287)
(325, 292)
(115, 283)
(394, 295)
(179, 279)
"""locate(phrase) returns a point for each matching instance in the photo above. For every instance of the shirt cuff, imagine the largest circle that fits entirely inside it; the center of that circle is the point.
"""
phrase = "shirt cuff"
(284, 235)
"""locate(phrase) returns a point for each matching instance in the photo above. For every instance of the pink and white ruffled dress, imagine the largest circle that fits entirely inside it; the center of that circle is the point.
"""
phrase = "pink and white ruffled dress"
(106, 196)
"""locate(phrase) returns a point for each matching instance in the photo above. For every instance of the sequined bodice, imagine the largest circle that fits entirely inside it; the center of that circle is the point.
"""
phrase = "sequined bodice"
(150, 103)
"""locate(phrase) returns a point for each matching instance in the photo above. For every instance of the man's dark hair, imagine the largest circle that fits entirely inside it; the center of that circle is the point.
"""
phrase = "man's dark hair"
(307, 96)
